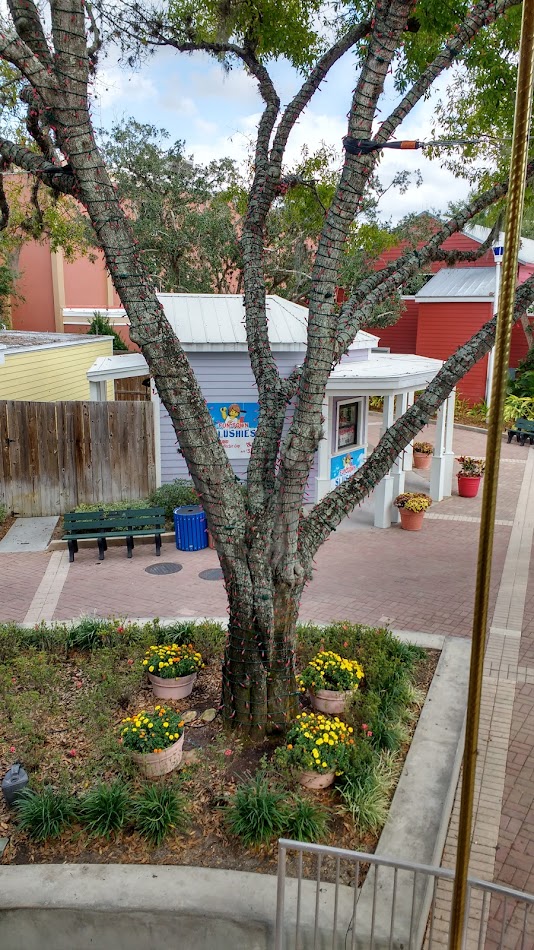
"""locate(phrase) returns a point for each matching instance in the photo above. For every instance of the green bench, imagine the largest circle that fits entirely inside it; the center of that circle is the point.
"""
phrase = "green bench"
(523, 430)
(101, 525)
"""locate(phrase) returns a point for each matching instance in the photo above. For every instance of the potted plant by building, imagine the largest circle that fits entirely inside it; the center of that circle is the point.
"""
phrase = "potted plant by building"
(172, 669)
(330, 680)
(422, 455)
(471, 471)
(316, 748)
(154, 739)
(412, 507)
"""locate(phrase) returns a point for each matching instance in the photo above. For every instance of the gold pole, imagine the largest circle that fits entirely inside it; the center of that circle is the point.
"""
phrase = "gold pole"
(514, 214)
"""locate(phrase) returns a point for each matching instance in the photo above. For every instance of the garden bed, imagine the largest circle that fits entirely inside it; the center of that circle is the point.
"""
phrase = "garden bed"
(64, 693)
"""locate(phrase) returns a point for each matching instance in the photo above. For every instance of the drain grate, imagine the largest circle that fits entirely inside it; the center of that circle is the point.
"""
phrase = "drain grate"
(213, 574)
(165, 568)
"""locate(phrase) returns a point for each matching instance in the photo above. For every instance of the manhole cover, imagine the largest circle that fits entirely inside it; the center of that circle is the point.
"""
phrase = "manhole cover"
(213, 574)
(165, 568)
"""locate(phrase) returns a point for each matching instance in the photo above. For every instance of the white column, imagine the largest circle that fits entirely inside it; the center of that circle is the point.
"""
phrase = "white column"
(401, 404)
(98, 390)
(383, 496)
(323, 452)
(448, 463)
(408, 451)
(437, 474)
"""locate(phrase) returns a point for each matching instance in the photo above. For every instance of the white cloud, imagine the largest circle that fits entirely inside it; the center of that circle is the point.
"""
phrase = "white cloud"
(113, 85)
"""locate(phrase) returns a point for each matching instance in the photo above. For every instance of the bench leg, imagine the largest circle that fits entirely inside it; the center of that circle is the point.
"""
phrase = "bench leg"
(129, 545)
(105, 543)
(158, 545)
(101, 548)
(72, 550)
(510, 436)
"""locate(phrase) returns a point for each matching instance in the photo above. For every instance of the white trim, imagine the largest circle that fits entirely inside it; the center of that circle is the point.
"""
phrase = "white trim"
(450, 299)
(338, 450)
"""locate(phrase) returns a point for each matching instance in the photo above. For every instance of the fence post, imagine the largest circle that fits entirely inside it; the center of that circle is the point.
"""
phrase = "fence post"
(280, 898)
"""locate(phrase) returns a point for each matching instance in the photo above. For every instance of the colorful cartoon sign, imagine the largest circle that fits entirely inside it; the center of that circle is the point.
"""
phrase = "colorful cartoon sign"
(236, 424)
(343, 466)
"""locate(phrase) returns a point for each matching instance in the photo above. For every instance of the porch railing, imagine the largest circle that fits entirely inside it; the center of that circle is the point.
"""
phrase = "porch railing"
(400, 906)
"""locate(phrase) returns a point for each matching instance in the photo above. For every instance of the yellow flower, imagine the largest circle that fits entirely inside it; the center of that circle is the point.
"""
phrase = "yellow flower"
(324, 765)
(165, 725)
(151, 669)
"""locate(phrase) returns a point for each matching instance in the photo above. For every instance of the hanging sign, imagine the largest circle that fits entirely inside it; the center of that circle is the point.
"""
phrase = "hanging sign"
(236, 424)
(343, 466)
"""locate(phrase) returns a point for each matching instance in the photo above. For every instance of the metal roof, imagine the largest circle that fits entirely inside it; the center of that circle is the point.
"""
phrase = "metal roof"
(459, 283)
(384, 373)
(217, 322)
(12, 341)
(479, 234)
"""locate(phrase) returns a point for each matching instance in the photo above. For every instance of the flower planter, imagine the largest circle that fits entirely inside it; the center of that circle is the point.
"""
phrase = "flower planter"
(315, 780)
(411, 520)
(468, 485)
(153, 764)
(329, 701)
(172, 688)
(422, 461)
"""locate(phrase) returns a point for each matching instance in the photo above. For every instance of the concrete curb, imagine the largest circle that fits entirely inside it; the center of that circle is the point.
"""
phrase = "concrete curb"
(129, 907)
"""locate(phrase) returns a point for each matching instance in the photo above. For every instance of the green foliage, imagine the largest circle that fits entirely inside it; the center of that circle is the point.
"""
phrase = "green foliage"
(44, 814)
(172, 495)
(267, 28)
(306, 820)
(105, 809)
(3, 513)
(100, 326)
(157, 811)
(123, 505)
(257, 812)
(365, 797)
(518, 407)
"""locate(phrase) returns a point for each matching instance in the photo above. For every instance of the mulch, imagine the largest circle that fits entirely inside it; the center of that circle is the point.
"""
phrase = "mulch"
(217, 763)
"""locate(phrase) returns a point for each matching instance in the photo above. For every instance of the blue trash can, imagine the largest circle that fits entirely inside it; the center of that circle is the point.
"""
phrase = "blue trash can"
(190, 528)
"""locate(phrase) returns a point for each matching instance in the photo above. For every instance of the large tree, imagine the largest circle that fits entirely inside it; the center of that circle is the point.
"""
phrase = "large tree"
(265, 542)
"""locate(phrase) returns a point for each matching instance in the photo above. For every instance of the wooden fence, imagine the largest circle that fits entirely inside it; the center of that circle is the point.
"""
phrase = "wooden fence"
(56, 455)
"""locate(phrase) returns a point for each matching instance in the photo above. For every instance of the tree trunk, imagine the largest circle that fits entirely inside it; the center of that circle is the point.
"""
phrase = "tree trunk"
(259, 686)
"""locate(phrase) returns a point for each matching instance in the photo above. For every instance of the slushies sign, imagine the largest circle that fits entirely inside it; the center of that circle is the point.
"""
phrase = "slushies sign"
(236, 424)
(343, 466)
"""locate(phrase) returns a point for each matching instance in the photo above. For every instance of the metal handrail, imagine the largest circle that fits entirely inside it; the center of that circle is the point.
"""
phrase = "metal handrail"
(322, 911)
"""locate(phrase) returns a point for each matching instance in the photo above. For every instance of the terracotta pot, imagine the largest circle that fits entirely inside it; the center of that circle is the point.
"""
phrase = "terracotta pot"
(330, 701)
(468, 485)
(411, 520)
(177, 688)
(153, 764)
(422, 461)
(316, 780)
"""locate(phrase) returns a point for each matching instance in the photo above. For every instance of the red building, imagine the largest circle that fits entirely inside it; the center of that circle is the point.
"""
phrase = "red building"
(452, 306)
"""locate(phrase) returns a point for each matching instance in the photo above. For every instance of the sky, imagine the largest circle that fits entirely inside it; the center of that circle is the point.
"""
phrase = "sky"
(216, 114)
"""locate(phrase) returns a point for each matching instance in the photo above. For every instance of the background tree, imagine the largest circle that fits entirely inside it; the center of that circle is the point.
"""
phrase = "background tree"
(265, 543)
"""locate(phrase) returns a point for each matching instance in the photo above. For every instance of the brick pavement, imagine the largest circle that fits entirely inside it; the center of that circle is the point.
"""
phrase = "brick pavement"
(20, 577)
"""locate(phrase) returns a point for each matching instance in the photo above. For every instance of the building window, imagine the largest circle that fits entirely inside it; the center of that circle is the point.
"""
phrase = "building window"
(348, 424)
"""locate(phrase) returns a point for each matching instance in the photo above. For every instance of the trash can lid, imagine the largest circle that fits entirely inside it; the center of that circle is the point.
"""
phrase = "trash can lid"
(188, 510)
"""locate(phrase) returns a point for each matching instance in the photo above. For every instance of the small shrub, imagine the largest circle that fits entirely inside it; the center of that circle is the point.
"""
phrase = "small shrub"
(3, 513)
(104, 809)
(257, 813)
(100, 326)
(172, 495)
(44, 814)
(115, 505)
(365, 798)
(306, 820)
(157, 811)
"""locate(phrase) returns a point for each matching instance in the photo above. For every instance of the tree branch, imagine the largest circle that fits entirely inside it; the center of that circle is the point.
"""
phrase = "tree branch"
(18, 53)
(4, 206)
(327, 514)
(28, 26)
(58, 178)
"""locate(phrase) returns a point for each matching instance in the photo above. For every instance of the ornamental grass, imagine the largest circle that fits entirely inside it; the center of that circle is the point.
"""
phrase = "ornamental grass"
(329, 670)
(151, 732)
(316, 743)
(172, 661)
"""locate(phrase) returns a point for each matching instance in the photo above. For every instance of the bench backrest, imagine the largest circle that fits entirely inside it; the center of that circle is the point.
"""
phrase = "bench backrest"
(120, 521)
(526, 424)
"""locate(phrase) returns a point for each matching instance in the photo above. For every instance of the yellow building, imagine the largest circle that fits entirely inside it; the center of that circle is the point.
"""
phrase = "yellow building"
(47, 367)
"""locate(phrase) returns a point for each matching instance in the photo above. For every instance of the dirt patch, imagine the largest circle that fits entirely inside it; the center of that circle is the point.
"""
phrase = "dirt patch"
(6, 525)
(215, 763)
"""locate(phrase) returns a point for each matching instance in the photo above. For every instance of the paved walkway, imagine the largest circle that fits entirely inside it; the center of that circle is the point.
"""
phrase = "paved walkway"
(415, 582)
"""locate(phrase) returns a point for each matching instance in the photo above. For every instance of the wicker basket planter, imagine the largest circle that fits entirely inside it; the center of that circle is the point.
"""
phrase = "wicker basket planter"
(329, 701)
(315, 780)
(172, 688)
(153, 764)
